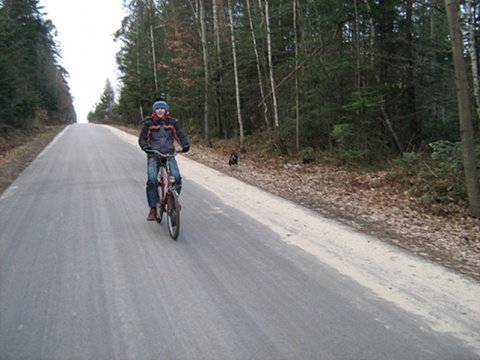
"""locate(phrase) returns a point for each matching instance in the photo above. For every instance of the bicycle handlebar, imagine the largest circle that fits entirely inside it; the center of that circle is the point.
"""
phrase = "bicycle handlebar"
(152, 151)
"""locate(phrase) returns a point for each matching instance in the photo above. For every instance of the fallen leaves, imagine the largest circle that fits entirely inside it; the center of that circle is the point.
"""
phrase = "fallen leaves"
(369, 201)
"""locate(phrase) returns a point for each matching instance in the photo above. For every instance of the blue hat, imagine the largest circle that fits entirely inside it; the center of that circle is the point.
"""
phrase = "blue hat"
(160, 105)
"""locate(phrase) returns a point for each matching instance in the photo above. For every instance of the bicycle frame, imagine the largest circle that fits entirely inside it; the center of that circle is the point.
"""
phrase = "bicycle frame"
(167, 195)
(164, 177)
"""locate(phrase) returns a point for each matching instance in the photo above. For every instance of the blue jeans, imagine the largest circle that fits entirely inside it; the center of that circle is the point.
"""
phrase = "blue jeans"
(153, 167)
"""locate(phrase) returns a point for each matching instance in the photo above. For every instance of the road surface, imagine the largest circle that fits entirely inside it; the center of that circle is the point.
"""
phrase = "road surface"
(83, 275)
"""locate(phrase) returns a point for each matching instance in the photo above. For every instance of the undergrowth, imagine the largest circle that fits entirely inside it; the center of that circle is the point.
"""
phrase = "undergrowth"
(435, 178)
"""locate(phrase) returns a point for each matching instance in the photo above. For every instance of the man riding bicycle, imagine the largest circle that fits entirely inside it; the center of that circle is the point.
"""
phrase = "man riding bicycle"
(159, 131)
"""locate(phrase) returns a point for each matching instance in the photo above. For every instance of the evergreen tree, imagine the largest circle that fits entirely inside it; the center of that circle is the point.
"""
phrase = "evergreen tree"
(103, 112)
(31, 82)
(370, 77)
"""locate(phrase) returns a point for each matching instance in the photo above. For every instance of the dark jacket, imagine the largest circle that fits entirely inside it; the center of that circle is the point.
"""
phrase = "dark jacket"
(159, 134)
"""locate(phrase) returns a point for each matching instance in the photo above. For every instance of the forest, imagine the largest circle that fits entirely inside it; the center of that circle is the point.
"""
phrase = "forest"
(33, 86)
(362, 80)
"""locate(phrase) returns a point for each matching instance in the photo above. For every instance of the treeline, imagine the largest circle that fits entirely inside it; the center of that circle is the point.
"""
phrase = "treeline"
(359, 77)
(33, 85)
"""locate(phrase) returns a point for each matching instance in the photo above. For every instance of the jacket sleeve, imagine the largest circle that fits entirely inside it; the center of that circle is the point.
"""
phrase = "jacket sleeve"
(180, 135)
(143, 137)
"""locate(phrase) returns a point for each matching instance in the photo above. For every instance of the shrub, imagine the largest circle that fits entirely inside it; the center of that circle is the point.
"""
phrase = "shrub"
(307, 155)
(448, 157)
(410, 163)
(348, 149)
(438, 179)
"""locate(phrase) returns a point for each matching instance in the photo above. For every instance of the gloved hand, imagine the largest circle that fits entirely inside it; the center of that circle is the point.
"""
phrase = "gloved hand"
(147, 149)
(186, 148)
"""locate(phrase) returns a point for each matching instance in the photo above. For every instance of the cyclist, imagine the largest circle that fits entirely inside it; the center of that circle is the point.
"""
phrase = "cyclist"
(159, 131)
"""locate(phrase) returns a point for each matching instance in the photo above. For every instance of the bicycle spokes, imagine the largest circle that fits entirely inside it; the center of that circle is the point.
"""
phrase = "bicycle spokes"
(173, 215)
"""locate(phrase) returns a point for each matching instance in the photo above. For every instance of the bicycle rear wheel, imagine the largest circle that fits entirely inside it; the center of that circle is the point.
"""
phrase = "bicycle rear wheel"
(173, 215)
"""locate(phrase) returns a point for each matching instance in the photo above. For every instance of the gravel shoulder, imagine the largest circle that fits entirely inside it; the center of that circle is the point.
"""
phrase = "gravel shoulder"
(363, 201)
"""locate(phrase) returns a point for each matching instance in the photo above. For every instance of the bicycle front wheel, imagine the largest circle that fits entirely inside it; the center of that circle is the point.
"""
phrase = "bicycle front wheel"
(173, 215)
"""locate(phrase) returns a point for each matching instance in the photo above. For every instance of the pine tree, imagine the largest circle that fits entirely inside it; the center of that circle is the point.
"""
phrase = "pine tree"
(103, 112)
(31, 82)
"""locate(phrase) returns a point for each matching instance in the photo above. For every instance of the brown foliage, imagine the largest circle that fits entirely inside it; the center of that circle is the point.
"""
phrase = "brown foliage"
(370, 201)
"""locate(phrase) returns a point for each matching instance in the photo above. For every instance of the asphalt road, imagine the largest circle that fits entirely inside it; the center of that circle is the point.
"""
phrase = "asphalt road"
(83, 275)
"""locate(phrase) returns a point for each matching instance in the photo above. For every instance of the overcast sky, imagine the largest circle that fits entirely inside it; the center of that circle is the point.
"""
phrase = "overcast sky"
(85, 32)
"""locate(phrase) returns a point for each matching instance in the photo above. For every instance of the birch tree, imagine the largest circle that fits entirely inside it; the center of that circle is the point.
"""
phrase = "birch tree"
(259, 68)
(151, 13)
(203, 32)
(237, 86)
(297, 100)
(218, 78)
(278, 129)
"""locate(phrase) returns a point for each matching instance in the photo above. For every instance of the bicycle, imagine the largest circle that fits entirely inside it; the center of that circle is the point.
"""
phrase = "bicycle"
(167, 195)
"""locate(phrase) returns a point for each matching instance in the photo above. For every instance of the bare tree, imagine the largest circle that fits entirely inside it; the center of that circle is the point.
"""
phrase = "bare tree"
(235, 71)
(152, 42)
(278, 129)
(464, 112)
(203, 32)
(297, 100)
(259, 68)
(218, 29)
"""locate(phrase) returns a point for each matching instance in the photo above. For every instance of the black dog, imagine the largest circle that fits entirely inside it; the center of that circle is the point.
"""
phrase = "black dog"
(233, 160)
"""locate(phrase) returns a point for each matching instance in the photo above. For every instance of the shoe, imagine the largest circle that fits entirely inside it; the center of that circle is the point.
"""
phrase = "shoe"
(151, 215)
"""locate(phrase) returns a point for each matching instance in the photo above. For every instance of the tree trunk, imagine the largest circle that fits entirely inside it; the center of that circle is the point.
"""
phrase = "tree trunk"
(259, 69)
(383, 108)
(356, 40)
(152, 42)
(203, 32)
(297, 100)
(465, 116)
(473, 55)
(237, 86)
(278, 129)
(218, 28)
(413, 126)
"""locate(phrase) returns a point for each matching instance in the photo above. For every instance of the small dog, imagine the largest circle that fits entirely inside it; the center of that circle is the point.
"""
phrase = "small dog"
(233, 161)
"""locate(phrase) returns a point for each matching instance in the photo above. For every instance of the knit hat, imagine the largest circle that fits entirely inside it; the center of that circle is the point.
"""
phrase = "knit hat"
(160, 105)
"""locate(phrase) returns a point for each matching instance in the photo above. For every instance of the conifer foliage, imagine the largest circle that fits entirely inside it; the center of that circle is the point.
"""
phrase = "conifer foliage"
(362, 79)
(103, 112)
(33, 87)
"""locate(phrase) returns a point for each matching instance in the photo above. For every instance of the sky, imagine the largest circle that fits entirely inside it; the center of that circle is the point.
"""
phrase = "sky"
(85, 34)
